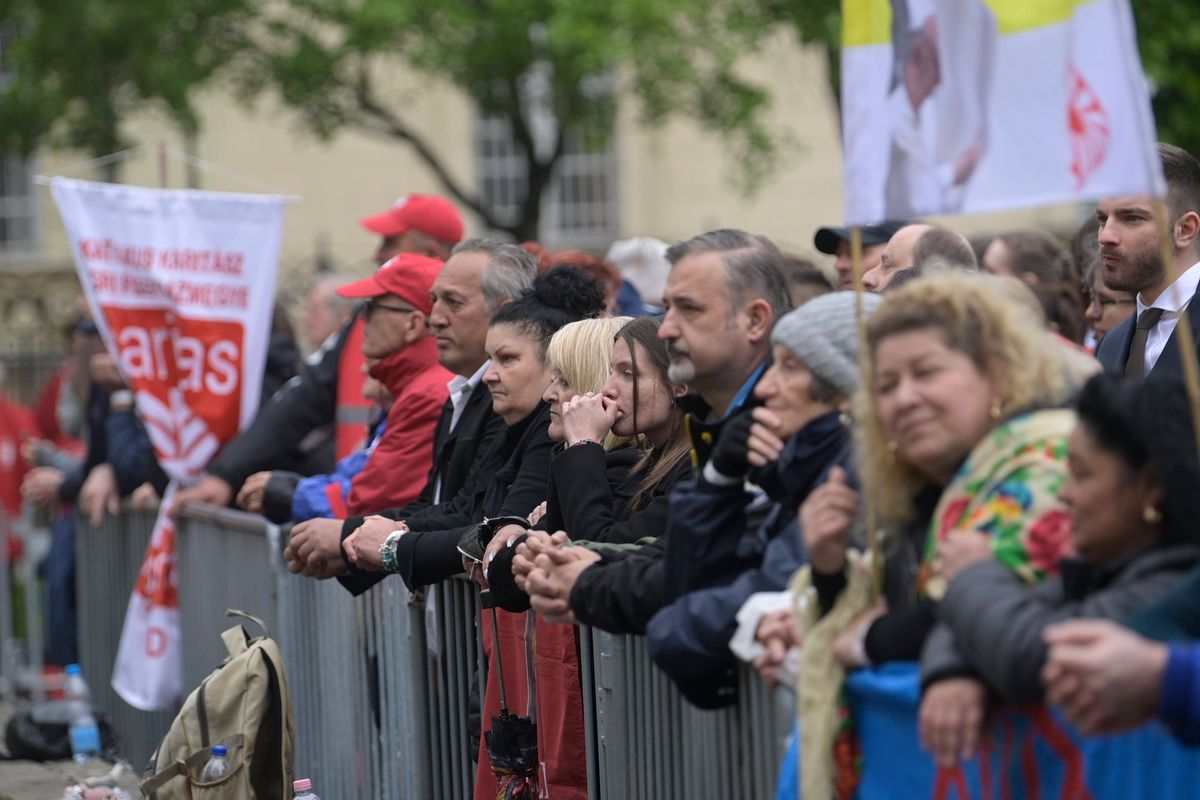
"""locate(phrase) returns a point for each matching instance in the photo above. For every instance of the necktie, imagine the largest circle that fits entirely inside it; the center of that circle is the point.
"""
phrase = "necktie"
(1135, 365)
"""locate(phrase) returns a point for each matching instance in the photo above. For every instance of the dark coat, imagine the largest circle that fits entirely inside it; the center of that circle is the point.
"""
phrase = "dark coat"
(1113, 351)
(715, 560)
(457, 454)
(991, 623)
(428, 553)
(622, 591)
(589, 496)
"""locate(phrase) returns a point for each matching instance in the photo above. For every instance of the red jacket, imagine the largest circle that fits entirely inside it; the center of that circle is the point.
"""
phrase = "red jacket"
(399, 465)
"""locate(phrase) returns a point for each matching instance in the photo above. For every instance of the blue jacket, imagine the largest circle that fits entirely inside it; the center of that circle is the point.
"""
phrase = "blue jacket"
(310, 499)
(715, 560)
(1179, 702)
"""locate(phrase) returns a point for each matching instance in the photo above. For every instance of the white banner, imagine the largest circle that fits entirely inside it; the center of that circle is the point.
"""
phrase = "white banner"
(953, 106)
(181, 284)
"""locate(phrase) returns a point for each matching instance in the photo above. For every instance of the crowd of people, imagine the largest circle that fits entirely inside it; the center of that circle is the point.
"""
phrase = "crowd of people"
(715, 446)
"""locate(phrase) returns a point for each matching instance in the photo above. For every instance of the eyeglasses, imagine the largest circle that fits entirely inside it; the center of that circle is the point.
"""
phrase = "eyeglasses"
(1105, 301)
(371, 306)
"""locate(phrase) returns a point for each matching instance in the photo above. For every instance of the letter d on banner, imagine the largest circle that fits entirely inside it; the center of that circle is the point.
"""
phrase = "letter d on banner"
(149, 669)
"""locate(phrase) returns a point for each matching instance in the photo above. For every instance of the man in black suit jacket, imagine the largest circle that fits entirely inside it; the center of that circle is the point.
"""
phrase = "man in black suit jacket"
(479, 277)
(1130, 255)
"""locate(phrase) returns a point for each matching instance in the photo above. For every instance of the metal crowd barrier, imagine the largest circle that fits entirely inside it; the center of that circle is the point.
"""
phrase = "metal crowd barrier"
(107, 562)
(382, 684)
(647, 741)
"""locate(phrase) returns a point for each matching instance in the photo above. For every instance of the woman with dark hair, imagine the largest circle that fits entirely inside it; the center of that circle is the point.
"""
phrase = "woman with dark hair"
(600, 491)
(1130, 492)
(423, 547)
(586, 497)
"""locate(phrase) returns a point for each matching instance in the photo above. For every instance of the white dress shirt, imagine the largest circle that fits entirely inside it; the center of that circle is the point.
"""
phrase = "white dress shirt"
(1173, 301)
(460, 391)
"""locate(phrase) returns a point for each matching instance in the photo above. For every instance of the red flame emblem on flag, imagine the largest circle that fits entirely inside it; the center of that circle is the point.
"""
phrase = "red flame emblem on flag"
(1087, 121)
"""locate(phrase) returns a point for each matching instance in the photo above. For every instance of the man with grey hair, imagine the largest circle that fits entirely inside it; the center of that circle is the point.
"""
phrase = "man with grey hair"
(725, 290)
(481, 276)
(724, 293)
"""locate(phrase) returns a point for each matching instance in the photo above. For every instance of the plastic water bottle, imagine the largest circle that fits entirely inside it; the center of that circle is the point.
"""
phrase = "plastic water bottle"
(302, 790)
(84, 732)
(217, 766)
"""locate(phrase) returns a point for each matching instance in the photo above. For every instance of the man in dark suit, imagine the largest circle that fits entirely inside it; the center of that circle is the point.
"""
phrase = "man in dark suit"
(1131, 260)
(480, 276)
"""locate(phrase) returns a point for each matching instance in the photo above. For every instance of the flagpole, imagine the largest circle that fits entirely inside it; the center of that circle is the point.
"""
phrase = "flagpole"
(864, 361)
(1183, 332)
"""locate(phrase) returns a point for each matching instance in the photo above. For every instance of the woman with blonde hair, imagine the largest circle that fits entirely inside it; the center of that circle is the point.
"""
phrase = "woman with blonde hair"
(963, 427)
(600, 489)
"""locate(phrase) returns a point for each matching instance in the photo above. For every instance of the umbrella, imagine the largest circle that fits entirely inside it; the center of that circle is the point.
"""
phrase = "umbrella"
(512, 741)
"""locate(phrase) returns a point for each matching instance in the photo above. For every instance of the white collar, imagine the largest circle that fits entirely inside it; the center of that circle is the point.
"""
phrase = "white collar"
(459, 383)
(1175, 298)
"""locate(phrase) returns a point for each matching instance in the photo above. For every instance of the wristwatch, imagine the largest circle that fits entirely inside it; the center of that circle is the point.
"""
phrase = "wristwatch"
(387, 551)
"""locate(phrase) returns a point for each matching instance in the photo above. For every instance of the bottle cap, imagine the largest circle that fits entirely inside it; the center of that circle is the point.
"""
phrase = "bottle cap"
(73, 669)
(219, 751)
(302, 785)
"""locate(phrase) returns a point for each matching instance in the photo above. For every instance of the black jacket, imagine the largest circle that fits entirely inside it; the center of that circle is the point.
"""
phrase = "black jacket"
(588, 497)
(622, 591)
(457, 455)
(1113, 351)
(428, 553)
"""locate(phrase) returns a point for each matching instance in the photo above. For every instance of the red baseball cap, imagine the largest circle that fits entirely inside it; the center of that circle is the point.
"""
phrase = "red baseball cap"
(427, 213)
(407, 275)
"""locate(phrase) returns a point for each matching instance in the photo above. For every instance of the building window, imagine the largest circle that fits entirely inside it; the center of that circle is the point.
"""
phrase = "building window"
(16, 204)
(16, 181)
(579, 208)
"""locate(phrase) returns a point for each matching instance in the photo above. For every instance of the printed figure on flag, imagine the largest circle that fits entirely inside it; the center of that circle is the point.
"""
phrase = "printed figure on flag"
(953, 106)
(181, 285)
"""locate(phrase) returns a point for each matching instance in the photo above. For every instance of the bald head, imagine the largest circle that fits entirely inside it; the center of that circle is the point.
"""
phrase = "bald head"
(897, 256)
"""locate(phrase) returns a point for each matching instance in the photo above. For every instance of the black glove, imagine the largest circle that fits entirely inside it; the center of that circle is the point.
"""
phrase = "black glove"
(729, 455)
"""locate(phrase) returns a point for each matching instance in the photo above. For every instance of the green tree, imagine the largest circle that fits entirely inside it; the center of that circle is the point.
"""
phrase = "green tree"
(80, 67)
(72, 70)
(518, 59)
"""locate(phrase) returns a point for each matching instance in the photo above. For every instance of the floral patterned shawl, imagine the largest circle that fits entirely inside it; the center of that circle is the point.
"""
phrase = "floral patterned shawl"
(1008, 488)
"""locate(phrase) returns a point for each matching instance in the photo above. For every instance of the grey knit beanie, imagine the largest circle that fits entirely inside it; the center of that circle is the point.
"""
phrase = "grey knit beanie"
(822, 333)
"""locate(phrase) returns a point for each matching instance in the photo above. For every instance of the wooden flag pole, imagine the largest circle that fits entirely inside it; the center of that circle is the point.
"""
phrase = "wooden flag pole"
(874, 545)
(1183, 328)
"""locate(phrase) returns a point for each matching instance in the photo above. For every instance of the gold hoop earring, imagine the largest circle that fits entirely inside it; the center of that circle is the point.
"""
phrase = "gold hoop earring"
(996, 410)
(1151, 515)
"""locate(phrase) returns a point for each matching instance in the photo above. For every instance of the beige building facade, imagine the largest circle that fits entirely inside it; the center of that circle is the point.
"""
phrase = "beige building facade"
(670, 182)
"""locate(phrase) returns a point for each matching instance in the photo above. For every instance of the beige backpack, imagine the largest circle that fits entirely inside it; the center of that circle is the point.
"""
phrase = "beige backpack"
(244, 705)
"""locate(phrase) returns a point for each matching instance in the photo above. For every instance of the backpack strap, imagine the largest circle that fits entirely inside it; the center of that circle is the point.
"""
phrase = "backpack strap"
(233, 612)
(183, 766)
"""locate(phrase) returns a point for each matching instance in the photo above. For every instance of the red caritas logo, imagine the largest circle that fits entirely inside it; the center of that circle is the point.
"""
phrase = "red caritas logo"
(186, 374)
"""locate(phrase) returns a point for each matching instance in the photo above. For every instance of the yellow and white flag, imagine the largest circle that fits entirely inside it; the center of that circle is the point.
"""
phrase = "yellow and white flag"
(953, 106)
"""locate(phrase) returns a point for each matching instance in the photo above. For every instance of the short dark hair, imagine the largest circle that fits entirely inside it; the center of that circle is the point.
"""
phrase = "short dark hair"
(753, 265)
(1039, 254)
(942, 247)
(1182, 171)
(805, 280)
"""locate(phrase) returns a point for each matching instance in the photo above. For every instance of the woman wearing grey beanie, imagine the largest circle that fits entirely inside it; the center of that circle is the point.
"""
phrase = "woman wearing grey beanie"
(719, 554)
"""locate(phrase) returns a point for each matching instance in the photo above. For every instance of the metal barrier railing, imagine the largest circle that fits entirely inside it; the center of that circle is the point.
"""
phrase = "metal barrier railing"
(646, 740)
(382, 684)
(107, 562)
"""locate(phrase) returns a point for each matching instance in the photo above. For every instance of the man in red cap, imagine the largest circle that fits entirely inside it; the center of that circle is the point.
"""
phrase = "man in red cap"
(329, 386)
(416, 223)
(392, 469)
